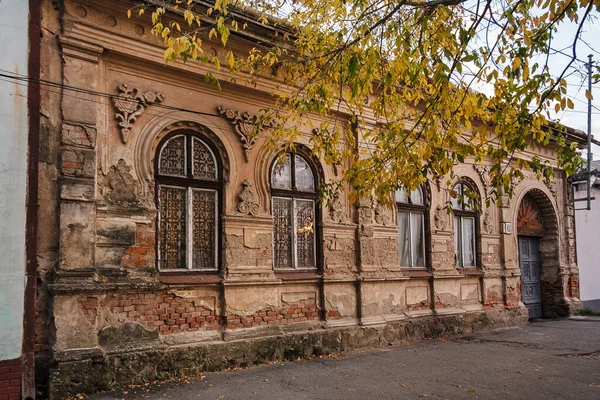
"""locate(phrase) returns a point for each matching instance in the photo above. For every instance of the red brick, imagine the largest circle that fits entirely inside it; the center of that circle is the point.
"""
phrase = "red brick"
(15, 382)
(10, 389)
(4, 370)
(14, 396)
(4, 384)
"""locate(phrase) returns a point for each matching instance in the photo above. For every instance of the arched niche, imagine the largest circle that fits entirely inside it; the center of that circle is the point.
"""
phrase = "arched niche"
(536, 221)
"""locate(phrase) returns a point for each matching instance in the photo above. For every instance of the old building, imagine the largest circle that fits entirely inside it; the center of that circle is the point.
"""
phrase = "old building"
(171, 241)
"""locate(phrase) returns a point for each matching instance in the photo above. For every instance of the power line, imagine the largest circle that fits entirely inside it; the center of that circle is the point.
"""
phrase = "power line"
(549, 47)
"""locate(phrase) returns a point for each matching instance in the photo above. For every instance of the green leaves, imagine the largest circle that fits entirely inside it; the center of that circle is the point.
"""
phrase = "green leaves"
(398, 86)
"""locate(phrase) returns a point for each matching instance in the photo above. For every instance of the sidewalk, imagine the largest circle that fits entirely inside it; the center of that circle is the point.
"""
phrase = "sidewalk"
(542, 360)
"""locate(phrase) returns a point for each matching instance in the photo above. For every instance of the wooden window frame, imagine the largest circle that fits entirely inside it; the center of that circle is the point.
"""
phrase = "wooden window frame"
(422, 209)
(294, 194)
(463, 213)
(189, 183)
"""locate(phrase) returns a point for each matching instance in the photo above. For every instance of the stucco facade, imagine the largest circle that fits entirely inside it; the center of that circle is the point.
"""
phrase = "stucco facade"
(13, 190)
(588, 234)
(108, 315)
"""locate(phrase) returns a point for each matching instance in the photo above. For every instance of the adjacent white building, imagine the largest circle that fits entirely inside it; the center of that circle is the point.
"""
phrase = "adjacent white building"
(13, 174)
(587, 226)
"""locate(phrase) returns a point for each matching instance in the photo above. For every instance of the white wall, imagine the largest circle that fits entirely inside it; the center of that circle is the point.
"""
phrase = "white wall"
(587, 225)
(13, 165)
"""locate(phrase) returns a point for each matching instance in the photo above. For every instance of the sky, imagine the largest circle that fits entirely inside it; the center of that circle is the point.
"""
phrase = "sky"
(590, 44)
(577, 81)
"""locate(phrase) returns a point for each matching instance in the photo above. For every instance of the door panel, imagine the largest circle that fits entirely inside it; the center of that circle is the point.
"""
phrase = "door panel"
(529, 261)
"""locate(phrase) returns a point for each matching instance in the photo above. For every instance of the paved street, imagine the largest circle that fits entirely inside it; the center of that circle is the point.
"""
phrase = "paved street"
(542, 360)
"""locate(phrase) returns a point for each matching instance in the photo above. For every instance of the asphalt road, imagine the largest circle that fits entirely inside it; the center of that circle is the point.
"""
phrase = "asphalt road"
(542, 360)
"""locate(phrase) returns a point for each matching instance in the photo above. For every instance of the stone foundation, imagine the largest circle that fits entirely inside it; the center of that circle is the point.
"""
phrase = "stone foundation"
(99, 369)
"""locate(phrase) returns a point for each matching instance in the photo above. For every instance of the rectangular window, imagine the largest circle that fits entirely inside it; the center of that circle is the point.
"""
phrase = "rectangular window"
(464, 241)
(188, 228)
(411, 239)
(294, 233)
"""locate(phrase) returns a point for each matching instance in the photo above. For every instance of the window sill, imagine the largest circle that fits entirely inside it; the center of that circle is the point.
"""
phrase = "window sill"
(470, 271)
(297, 275)
(182, 278)
(416, 273)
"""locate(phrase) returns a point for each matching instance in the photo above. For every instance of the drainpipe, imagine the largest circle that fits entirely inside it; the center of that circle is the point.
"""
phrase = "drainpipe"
(31, 223)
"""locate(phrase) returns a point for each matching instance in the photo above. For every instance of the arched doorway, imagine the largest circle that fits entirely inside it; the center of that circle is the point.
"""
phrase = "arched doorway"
(538, 255)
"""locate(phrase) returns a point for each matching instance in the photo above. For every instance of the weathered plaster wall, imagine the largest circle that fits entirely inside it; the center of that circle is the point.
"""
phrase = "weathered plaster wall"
(14, 46)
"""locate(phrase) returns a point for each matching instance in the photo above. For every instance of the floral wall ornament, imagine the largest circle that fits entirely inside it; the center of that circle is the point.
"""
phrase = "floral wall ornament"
(551, 185)
(131, 103)
(441, 218)
(382, 216)
(120, 188)
(484, 174)
(488, 223)
(249, 203)
(245, 127)
(336, 210)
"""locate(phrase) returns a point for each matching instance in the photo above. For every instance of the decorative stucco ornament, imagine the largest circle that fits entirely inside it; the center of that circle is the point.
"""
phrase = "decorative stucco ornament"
(515, 181)
(249, 203)
(130, 104)
(336, 210)
(120, 186)
(382, 216)
(245, 127)
(441, 218)
(551, 185)
(488, 223)
(484, 174)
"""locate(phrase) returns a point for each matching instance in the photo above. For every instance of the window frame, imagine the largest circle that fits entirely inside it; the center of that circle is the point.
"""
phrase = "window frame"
(294, 195)
(190, 184)
(422, 209)
(461, 214)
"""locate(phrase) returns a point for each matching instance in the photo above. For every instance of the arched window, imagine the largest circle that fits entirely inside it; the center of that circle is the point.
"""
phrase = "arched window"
(465, 227)
(294, 209)
(411, 228)
(189, 186)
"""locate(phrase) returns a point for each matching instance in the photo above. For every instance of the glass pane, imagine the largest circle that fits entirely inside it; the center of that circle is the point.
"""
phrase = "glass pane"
(416, 196)
(404, 239)
(457, 241)
(203, 162)
(172, 157)
(468, 241)
(456, 201)
(281, 175)
(305, 181)
(204, 222)
(282, 234)
(172, 250)
(401, 196)
(467, 202)
(417, 240)
(305, 231)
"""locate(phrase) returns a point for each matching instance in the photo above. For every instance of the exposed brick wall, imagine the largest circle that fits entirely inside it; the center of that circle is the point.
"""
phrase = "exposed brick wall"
(164, 312)
(574, 285)
(143, 253)
(10, 379)
(288, 314)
